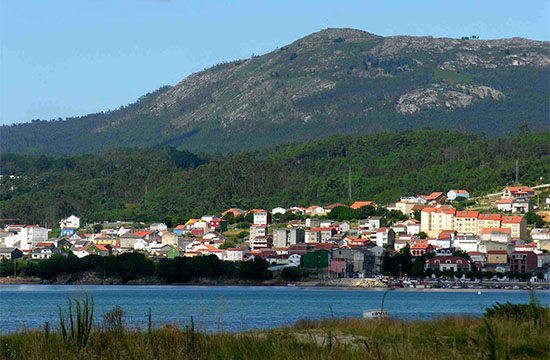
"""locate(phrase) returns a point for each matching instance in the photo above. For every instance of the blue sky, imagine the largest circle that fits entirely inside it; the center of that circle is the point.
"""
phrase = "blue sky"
(67, 58)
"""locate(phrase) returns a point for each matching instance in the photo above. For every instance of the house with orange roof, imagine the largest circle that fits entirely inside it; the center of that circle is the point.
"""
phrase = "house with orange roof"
(329, 208)
(236, 212)
(179, 230)
(435, 197)
(514, 192)
(101, 250)
(315, 210)
(106, 240)
(297, 210)
(457, 194)
(505, 205)
(359, 204)
(517, 225)
(421, 248)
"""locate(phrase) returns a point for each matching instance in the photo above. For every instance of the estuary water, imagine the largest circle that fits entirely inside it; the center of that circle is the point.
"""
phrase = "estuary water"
(235, 308)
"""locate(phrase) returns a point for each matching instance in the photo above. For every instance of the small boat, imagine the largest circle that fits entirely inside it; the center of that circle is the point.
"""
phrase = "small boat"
(479, 292)
(375, 314)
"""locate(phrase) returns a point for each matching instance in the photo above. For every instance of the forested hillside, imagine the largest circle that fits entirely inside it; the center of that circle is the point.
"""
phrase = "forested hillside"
(333, 82)
(169, 185)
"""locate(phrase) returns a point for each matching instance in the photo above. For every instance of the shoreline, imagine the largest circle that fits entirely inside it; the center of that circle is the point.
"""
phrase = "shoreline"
(492, 286)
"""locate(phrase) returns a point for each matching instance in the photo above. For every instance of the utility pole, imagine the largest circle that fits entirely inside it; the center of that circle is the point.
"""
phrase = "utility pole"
(349, 183)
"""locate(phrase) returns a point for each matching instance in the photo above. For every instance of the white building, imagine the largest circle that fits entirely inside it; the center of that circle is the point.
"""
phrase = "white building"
(278, 210)
(294, 260)
(375, 222)
(158, 227)
(236, 254)
(538, 234)
(454, 194)
(262, 218)
(72, 222)
(31, 235)
(467, 242)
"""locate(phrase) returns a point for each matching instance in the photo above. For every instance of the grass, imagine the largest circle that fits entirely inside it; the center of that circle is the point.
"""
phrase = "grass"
(498, 336)
(452, 76)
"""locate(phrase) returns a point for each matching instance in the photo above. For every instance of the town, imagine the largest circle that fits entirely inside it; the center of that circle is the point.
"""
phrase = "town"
(435, 235)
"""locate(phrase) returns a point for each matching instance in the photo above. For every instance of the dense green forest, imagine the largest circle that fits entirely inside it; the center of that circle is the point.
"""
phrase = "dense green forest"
(165, 184)
(334, 82)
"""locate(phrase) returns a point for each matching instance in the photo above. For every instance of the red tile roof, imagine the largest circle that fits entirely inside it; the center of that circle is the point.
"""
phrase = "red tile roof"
(490, 230)
(467, 214)
(359, 204)
(433, 196)
(505, 201)
(494, 217)
(143, 233)
(512, 219)
(420, 245)
(519, 189)
(335, 205)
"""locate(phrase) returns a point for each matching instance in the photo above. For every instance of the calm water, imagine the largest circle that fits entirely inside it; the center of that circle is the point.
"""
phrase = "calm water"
(239, 308)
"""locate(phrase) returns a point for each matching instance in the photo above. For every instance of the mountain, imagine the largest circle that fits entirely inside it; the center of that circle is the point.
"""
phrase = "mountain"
(164, 184)
(333, 82)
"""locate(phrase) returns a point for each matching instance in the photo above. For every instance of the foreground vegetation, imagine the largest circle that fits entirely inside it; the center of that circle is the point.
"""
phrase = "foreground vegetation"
(171, 186)
(506, 332)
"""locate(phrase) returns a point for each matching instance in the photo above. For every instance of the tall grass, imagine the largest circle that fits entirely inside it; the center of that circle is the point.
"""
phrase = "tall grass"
(76, 325)
(464, 338)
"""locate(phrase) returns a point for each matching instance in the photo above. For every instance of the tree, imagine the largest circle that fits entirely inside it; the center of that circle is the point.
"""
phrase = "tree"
(534, 219)
(293, 273)
(255, 269)
(97, 228)
(422, 235)
(462, 253)
(227, 244)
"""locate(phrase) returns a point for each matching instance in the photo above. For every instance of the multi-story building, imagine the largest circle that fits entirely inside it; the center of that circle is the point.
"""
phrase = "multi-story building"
(517, 225)
(488, 221)
(466, 222)
(262, 217)
(31, 235)
(467, 242)
(257, 230)
(523, 261)
(385, 236)
(436, 219)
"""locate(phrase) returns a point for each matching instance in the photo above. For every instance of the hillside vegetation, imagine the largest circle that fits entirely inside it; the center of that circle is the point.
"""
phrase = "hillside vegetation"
(169, 185)
(333, 82)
